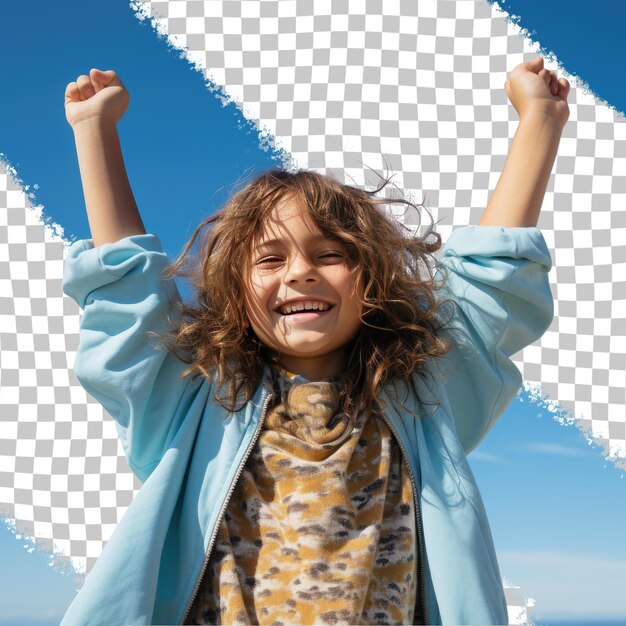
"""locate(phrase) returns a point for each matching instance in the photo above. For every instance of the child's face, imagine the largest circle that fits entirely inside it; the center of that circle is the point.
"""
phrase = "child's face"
(301, 298)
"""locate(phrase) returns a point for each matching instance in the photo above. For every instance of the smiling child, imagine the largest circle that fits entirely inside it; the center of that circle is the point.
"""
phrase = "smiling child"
(301, 426)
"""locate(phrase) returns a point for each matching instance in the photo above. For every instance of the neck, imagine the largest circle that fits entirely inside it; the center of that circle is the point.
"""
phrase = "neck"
(315, 368)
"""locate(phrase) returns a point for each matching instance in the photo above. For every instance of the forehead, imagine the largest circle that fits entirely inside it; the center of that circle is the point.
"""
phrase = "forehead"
(288, 221)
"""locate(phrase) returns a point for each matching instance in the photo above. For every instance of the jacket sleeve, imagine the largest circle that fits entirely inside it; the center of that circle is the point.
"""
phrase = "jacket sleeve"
(122, 293)
(497, 280)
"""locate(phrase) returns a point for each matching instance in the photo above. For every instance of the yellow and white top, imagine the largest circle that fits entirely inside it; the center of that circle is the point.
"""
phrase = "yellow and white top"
(321, 525)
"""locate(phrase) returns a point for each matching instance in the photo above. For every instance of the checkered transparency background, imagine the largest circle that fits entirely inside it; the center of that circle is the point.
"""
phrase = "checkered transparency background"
(362, 85)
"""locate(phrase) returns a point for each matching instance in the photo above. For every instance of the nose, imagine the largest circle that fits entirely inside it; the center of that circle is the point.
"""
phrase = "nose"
(300, 270)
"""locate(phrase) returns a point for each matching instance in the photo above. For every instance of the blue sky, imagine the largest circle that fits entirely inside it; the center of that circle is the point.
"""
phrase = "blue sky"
(556, 506)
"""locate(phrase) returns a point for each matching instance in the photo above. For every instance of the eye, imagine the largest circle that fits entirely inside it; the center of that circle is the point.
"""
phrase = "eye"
(269, 261)
(332, 256)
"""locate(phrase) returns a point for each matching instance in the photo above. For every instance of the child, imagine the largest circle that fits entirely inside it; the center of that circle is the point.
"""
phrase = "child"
(302, 440)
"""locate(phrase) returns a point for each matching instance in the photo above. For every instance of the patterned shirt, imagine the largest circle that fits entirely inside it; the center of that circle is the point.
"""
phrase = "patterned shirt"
(320, 527)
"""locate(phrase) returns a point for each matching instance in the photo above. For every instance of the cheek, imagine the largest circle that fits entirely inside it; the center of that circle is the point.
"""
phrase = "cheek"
(254, 314)
(256, 294)
(357, 306)
(351, 292)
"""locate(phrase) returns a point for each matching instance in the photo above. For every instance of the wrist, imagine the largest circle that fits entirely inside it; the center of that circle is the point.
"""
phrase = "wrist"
(94, 123)
(549, 114)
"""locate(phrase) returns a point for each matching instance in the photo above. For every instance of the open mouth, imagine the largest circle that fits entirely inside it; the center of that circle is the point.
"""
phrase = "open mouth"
(306, 306)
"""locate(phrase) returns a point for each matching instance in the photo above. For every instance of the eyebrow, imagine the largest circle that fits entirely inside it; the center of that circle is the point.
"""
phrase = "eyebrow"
(268, 243)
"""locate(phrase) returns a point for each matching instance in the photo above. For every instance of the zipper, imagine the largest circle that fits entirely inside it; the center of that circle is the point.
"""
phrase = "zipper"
(418, 516)
(205, 564)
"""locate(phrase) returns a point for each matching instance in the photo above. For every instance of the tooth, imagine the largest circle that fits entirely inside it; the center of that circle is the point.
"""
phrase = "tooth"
(309, 305)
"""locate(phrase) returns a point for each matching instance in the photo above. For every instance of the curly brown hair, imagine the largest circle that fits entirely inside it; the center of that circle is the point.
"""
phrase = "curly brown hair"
(400, 327)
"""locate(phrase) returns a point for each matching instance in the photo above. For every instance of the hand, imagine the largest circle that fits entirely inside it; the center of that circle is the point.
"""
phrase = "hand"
(101, 95)
(531, 88)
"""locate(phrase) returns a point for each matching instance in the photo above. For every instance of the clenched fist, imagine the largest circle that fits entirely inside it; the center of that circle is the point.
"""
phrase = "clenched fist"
(101, 95)
(531, 88)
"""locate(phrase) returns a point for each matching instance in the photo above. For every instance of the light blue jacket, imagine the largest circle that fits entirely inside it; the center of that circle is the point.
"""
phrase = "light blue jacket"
(188, 451)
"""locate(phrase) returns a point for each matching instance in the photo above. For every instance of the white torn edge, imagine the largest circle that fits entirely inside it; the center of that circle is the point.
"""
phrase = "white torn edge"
(565, 417)
(267, 140)
(534, 391)
(54, 557)
(518, 604)
(53, 230)
(552, 61)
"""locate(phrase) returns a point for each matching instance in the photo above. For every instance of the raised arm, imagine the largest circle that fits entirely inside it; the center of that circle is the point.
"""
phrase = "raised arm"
(93, 106)
(541, 102)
